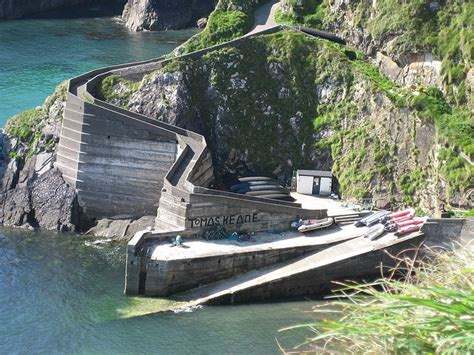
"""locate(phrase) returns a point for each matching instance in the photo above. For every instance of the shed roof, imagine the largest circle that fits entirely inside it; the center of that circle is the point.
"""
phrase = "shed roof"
(314, 173)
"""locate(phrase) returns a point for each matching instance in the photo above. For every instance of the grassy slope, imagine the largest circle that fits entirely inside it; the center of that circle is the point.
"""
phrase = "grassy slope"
(448, 32)
(231, 19)
(430, 311)
(26, 126)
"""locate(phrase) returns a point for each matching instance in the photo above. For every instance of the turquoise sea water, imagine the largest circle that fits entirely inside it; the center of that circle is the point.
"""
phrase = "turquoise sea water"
(60, 295)
(36, 55)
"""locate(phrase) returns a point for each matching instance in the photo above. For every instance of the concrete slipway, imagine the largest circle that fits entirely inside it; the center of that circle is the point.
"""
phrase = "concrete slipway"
(342, 254)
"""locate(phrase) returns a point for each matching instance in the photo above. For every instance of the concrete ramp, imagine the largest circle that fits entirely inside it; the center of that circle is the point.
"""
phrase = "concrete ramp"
(306, 275)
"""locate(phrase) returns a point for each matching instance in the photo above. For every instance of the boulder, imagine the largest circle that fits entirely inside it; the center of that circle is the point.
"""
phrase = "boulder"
(155, 15)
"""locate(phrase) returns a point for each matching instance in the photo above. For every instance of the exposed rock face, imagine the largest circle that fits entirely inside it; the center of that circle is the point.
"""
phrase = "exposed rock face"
(417, 67)
(171, 105)
(11, 9)
(421, 70)
(33, 193)
(165, 14)
(121, 229)
(44, 201)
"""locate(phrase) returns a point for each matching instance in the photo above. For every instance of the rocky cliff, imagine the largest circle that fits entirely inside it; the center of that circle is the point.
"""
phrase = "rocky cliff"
(165, 14)
(33, 193)
(422, 42)
(284, 102)
(12, 9)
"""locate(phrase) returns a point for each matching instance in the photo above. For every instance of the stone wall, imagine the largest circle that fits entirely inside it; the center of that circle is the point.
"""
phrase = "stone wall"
(320, 278)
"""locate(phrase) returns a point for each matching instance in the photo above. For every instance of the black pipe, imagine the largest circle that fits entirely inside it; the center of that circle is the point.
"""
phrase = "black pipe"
(321, 34)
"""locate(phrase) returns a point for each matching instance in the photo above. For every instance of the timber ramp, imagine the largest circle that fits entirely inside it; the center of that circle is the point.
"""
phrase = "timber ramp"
(307, 275)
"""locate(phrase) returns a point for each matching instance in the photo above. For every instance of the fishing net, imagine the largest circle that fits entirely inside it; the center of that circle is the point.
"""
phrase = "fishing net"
(217, 233)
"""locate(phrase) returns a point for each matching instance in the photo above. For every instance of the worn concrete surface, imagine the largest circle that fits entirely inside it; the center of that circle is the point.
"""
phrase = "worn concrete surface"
(286, 272)
(265, 16)
(264, 241)
(334, 207)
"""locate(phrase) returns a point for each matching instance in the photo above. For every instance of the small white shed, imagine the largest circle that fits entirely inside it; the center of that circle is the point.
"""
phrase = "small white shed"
(314, 182)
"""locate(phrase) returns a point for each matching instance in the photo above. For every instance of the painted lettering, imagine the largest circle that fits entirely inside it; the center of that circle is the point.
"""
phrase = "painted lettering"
(224, 220)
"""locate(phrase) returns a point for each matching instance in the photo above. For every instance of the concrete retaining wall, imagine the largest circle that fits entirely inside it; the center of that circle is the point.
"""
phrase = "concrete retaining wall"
(167, 277)
(447, 232)
(116, 164)
(320, 279)
(117, 159)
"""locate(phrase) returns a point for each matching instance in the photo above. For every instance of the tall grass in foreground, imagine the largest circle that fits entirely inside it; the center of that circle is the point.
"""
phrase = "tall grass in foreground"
(429, 310)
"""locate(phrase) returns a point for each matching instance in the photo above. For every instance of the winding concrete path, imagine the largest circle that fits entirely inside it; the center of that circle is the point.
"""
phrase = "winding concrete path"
(265, 17)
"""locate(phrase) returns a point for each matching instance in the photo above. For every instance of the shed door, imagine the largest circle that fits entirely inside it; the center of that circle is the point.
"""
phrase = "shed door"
(325, 188)
(305, 185)
(316, 185)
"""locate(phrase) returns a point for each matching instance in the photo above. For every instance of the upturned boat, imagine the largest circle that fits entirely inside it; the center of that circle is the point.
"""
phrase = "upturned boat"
(408, 229)
(371, 219)
(375, 232)
(314, 224)
(397, 215)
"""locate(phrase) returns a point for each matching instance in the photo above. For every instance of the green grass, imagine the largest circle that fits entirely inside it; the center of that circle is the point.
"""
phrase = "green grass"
(59, 93)
(465, 214)
(458, 173)
(26, 127)
(231, 19)
(410, 184)
(379, 80)
(311, 13)
(222, 26)
(431, 310)
(107, 89)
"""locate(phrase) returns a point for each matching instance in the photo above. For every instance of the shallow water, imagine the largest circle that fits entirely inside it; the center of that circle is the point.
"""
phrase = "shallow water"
(60, 294)
(37, 54)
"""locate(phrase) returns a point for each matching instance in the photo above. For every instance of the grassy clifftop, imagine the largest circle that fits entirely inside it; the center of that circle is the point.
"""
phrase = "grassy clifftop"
(230, 19)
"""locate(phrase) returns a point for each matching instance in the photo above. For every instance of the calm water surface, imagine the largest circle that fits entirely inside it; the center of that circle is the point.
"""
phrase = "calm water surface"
(36, 55)
(60, 294)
